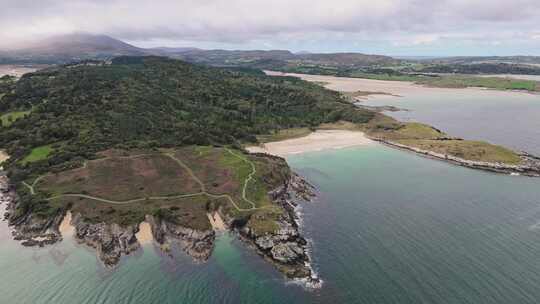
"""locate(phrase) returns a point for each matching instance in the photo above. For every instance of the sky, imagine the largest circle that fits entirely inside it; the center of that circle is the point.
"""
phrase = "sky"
(391, 27)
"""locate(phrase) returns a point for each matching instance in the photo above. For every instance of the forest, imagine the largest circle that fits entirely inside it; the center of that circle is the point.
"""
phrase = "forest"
(73, 111)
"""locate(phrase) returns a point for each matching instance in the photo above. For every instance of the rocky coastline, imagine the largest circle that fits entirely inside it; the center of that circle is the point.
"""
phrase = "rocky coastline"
(530, 165)
(286, 249)
(111, 241)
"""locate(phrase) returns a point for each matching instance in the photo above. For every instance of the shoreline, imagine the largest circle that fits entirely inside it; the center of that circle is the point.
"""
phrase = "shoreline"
(385, 89)
(316, 141)
(530, 170)
(285, 248)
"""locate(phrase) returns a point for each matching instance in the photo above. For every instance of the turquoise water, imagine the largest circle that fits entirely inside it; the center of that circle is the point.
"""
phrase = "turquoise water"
(506, 118)
(388, 227)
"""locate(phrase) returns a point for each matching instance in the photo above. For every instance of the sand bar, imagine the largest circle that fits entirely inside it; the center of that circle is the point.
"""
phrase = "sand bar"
(393, 89)
(144, 236)
(316, 141)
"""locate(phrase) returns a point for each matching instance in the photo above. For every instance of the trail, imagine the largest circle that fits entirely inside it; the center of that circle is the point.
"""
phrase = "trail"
(185, 167)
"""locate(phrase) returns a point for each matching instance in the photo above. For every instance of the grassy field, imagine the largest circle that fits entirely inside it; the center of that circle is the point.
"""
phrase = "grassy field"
(484, 82)
(458, 81)
(428, 138)
(38, 153)
(123, 178)
(466, 149)
(10, 117)
(133, 184)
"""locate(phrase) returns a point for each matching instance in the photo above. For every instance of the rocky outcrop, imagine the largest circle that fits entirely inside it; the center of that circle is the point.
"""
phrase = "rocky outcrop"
(111, 241)
(529, 166)
(31, 229)
(196, 243)
(286, 249)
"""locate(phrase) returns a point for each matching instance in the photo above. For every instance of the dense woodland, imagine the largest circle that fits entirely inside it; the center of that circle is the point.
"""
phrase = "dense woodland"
(145, 102)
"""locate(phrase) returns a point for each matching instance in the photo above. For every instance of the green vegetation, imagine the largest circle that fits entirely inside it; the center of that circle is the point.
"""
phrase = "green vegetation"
(10, 117)
(150, 135)
(38, 153)
(124, 186)
(145, 102)
(461, 81)
(430, 139)
(466, 149)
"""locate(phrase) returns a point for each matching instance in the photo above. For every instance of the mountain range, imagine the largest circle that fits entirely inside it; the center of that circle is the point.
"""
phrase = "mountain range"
(82, 46)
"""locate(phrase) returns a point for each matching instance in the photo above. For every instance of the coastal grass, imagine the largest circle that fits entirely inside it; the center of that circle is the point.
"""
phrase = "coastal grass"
(10, 117)
(416, 130)
(466, 149)
(427, 138)
(38, 153)
(464, 81)
(456, 81)
(264, 221)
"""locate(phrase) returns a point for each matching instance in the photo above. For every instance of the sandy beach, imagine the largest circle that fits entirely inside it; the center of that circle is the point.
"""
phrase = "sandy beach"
(144, 236)
(3, 156)
(66, 229)
(316, 141)
(216, 221)
(15, 70)
(393, 89)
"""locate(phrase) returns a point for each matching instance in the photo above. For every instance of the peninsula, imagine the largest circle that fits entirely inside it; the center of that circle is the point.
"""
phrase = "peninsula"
(155, 142)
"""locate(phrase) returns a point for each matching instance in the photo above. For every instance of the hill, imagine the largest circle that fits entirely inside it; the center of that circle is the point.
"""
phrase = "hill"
(155, 101)
(157, 139)
(82, 46)
(68, 48)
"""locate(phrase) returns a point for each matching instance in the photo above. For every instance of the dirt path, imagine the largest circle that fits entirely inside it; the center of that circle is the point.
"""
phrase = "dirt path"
(185, 167)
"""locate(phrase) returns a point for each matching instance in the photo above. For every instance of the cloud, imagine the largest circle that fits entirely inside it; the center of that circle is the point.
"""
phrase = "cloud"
(271, 22)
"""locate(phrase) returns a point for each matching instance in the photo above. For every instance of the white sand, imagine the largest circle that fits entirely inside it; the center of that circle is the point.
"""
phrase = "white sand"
(316, 141)
(15, 70)
(395, 88)
(216, 221)
(144, 236)
(3, 156)
(345, 84)
(66, 229)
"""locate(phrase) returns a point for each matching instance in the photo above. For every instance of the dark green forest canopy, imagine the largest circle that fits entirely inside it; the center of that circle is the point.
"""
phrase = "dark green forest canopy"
(144, 102)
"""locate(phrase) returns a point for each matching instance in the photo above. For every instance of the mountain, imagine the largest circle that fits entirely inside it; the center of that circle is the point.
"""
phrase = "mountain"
(82, 46)
(280, 59)
(70, 47)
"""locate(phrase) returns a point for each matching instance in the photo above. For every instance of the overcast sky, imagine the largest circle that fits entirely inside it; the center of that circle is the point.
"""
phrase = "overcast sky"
(394, 27)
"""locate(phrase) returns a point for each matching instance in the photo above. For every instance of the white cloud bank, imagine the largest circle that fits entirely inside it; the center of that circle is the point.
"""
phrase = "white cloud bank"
(275, 23)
